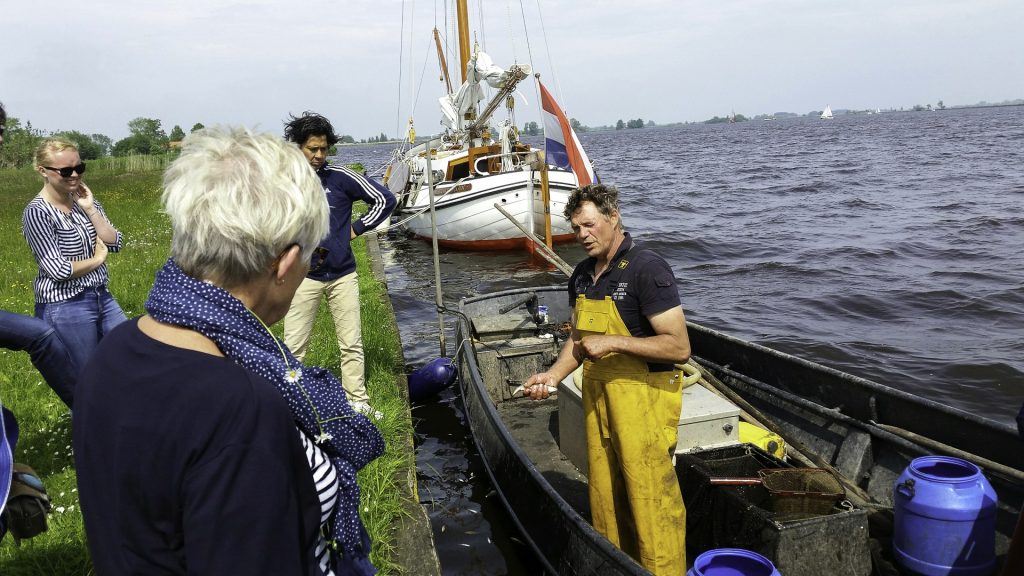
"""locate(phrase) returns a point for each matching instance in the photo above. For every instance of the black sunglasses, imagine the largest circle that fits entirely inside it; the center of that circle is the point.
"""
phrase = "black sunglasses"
(318, 259)
(66, 172)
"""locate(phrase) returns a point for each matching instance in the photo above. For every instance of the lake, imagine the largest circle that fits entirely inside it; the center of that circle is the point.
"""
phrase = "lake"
(890, 246)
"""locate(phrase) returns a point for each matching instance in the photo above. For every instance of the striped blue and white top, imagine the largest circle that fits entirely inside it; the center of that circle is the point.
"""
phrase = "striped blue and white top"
(325, 478)
(57, 239)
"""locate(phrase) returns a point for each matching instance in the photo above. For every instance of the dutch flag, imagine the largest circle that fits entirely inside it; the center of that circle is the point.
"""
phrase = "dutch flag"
(562, 147)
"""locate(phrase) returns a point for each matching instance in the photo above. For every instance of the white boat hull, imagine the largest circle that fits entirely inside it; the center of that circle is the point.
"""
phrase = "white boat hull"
(466, 217)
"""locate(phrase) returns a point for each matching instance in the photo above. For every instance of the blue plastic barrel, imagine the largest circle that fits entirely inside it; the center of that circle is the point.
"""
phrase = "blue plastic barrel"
(435, 376)
(945, 518)
(732, 562)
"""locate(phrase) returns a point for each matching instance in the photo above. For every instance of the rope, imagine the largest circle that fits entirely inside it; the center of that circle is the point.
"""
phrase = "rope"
(412, 94)
(448, 49)
(480, 17)
(401, 56)
(526, 33)
(529, 49)
(547, 48)
(423, 73)
(422, 210)
(511, 30)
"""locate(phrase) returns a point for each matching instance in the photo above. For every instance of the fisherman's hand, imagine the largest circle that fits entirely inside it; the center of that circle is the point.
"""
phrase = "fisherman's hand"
(538, 386)
(595, 347)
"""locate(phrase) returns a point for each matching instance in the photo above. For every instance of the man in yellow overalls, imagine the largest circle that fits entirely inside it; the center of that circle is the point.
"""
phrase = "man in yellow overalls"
(628, 332)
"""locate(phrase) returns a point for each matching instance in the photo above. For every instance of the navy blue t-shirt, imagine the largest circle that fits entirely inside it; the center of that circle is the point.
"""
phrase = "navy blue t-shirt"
(640, 283)
(188, 464)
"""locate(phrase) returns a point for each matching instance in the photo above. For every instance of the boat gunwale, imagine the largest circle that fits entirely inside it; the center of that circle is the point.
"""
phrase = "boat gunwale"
(857, 380)
(600, 543)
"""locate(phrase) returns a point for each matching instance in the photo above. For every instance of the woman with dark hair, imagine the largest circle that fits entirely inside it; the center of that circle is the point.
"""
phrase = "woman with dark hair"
(185, 439)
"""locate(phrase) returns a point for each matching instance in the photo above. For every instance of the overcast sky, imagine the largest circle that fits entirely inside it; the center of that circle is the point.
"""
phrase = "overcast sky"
(93, 66)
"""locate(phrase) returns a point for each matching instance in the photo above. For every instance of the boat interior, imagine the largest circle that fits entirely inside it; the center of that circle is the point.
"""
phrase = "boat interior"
(835, 521)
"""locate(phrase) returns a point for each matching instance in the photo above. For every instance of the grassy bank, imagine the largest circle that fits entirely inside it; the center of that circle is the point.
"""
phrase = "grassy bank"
(132, 202)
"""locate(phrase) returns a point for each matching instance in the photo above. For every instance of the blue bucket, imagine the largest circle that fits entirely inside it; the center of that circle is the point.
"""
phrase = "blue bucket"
(732, 562)
(435, 376)
(945, 518)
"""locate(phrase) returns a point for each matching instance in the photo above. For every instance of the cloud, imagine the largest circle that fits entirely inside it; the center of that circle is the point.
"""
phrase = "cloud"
(95, 66)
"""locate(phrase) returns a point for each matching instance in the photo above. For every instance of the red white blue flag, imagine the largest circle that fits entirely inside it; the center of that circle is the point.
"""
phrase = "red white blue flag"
(562, 147)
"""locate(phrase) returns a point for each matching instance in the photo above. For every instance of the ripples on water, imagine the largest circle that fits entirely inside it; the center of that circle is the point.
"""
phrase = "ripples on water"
(889, 246)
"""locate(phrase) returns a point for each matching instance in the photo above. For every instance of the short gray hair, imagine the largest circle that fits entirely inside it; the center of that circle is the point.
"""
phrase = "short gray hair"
(236, 200)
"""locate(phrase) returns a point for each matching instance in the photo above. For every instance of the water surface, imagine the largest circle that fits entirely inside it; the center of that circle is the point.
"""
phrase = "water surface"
(889, 246)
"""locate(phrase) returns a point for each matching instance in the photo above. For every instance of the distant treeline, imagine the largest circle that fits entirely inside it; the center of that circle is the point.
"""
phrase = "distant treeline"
(146, 137)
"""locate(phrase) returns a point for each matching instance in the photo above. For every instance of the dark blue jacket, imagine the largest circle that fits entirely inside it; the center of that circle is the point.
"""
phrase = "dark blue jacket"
(344, 187)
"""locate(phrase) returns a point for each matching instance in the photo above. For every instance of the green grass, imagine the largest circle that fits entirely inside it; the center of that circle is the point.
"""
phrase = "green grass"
(133, 204)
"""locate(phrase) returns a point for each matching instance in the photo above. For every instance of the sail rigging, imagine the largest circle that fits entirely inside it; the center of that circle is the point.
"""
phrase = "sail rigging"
(478, 163)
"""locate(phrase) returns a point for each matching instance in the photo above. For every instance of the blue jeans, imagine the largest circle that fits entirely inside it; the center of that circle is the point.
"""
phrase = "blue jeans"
(48, 352)
(82, 320)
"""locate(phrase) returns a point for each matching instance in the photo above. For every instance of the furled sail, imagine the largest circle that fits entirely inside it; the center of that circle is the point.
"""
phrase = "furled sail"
(480, 68)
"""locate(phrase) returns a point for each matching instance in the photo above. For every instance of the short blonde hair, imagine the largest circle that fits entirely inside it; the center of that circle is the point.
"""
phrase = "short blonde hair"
(47, 148)
(236, 200)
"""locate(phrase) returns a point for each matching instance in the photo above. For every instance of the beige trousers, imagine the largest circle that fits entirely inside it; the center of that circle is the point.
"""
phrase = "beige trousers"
(343, 302)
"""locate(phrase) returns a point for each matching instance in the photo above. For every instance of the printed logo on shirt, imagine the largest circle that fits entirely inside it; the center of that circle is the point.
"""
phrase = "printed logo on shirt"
(620, 291)
(623, 263)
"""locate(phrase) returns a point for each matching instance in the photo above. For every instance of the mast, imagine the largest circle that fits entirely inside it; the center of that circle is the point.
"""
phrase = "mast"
(464, 49)
(444, 63)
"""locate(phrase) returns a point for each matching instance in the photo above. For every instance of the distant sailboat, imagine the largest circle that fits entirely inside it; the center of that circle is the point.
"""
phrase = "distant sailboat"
(827, 114)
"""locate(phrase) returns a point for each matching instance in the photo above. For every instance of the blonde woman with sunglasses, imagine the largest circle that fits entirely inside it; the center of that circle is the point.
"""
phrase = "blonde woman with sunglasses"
(70, 237)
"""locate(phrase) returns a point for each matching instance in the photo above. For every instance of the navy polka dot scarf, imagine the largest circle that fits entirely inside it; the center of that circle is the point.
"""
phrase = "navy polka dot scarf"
(315, 395)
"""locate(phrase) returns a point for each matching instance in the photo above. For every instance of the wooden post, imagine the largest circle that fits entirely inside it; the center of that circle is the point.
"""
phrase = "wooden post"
(545, 196)
(438, 296)
(545, 252)
(540, 164)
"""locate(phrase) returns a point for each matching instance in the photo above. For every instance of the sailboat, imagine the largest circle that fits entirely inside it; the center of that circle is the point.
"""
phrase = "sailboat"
(474, 166)
(827, 114)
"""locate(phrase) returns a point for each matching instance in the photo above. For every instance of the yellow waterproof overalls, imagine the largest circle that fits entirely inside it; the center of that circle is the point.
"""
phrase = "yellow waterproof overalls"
(631, 417)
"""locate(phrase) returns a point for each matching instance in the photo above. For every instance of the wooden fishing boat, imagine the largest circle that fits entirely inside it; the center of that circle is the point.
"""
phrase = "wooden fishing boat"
(864, 432)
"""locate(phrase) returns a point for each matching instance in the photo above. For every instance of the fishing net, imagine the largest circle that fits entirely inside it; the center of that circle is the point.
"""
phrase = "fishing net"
(802, 533)
(802, 491)
(735, 517)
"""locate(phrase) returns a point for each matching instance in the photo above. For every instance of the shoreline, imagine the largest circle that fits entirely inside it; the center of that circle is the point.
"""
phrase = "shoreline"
(414, 549)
